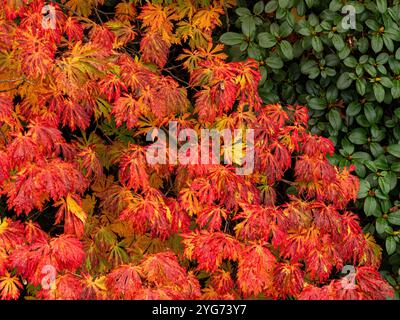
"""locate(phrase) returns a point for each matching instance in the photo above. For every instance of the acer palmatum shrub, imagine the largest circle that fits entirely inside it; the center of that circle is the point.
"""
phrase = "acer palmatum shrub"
(84, 215)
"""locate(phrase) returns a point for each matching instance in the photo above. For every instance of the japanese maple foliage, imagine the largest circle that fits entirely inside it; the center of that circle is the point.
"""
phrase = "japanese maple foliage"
(78, 195)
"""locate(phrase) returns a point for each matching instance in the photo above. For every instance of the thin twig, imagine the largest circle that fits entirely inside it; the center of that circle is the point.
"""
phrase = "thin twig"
(4, 136)
(12, 89)
(11, 80)
(23, 80)
(228, 24)
(76, 13)
(148, 247)
(180, 80)
(288, 182)
(98, 16)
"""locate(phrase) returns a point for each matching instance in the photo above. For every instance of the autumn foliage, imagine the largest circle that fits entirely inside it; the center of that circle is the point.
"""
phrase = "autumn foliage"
(77, 193)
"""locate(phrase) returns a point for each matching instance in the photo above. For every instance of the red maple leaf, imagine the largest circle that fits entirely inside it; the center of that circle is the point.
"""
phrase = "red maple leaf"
(124, 282)
(255, 270)
(62, 253)
(210, 249)
(372, 285)
(289, 278)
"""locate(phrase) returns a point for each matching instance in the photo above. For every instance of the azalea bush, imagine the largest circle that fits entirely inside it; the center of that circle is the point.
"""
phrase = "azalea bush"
(85, 215)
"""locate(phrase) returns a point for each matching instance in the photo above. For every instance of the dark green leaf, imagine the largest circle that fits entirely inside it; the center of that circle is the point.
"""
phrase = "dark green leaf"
(382, 5)
(242, 11)
(370, 206)
(310, 68)
(332, 94)
(286, 49)
(377, 43)
(396, 89)
(379, 92)
(372, 24)
(376, 149)
(361, 85)
(271, 6)
(386, 82)
(248, 25)
(350, 62)
(338, 42)
(344, 81)
(353, 109)
(358, 136)
(334, 119)
(274, 62)
(283, 3)
(392, 179)
(388, 42)
(394, 149)
(317, 104)
(304, 31)
(370, 113)
(397, 54)
(390, 245)
(332, 60)
(335, 5)
(309, 3)
(317, 44)
(394, 218)
(254, 51)
(285, 30)
(394, 65)
(258, 7)
(384, 185)
(381, 225)
(361, 156)
(371, 166)
(266, 40)
(363, 45)
(370, 69)
(382, 58)
(232, 38)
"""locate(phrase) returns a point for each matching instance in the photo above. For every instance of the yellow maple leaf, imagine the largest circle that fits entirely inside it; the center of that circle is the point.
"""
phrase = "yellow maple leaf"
(76, 209)
(9, 287)
(83, 7)
(208, 18)
(159, 19)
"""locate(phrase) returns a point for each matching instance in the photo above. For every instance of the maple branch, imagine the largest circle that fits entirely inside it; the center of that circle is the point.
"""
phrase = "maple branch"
(288, 182)
(70, 10)
(97, 14)
(107, 137)
(226, 225)
(35, 215)
(4, 136)
(174, 67)
(112, 13)
(76, 13)
(187, 85)
(23, 80)
(148, 247)
(129, 50)
(11, 80)
(108, 13)
(228, 23)
(12, 89)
